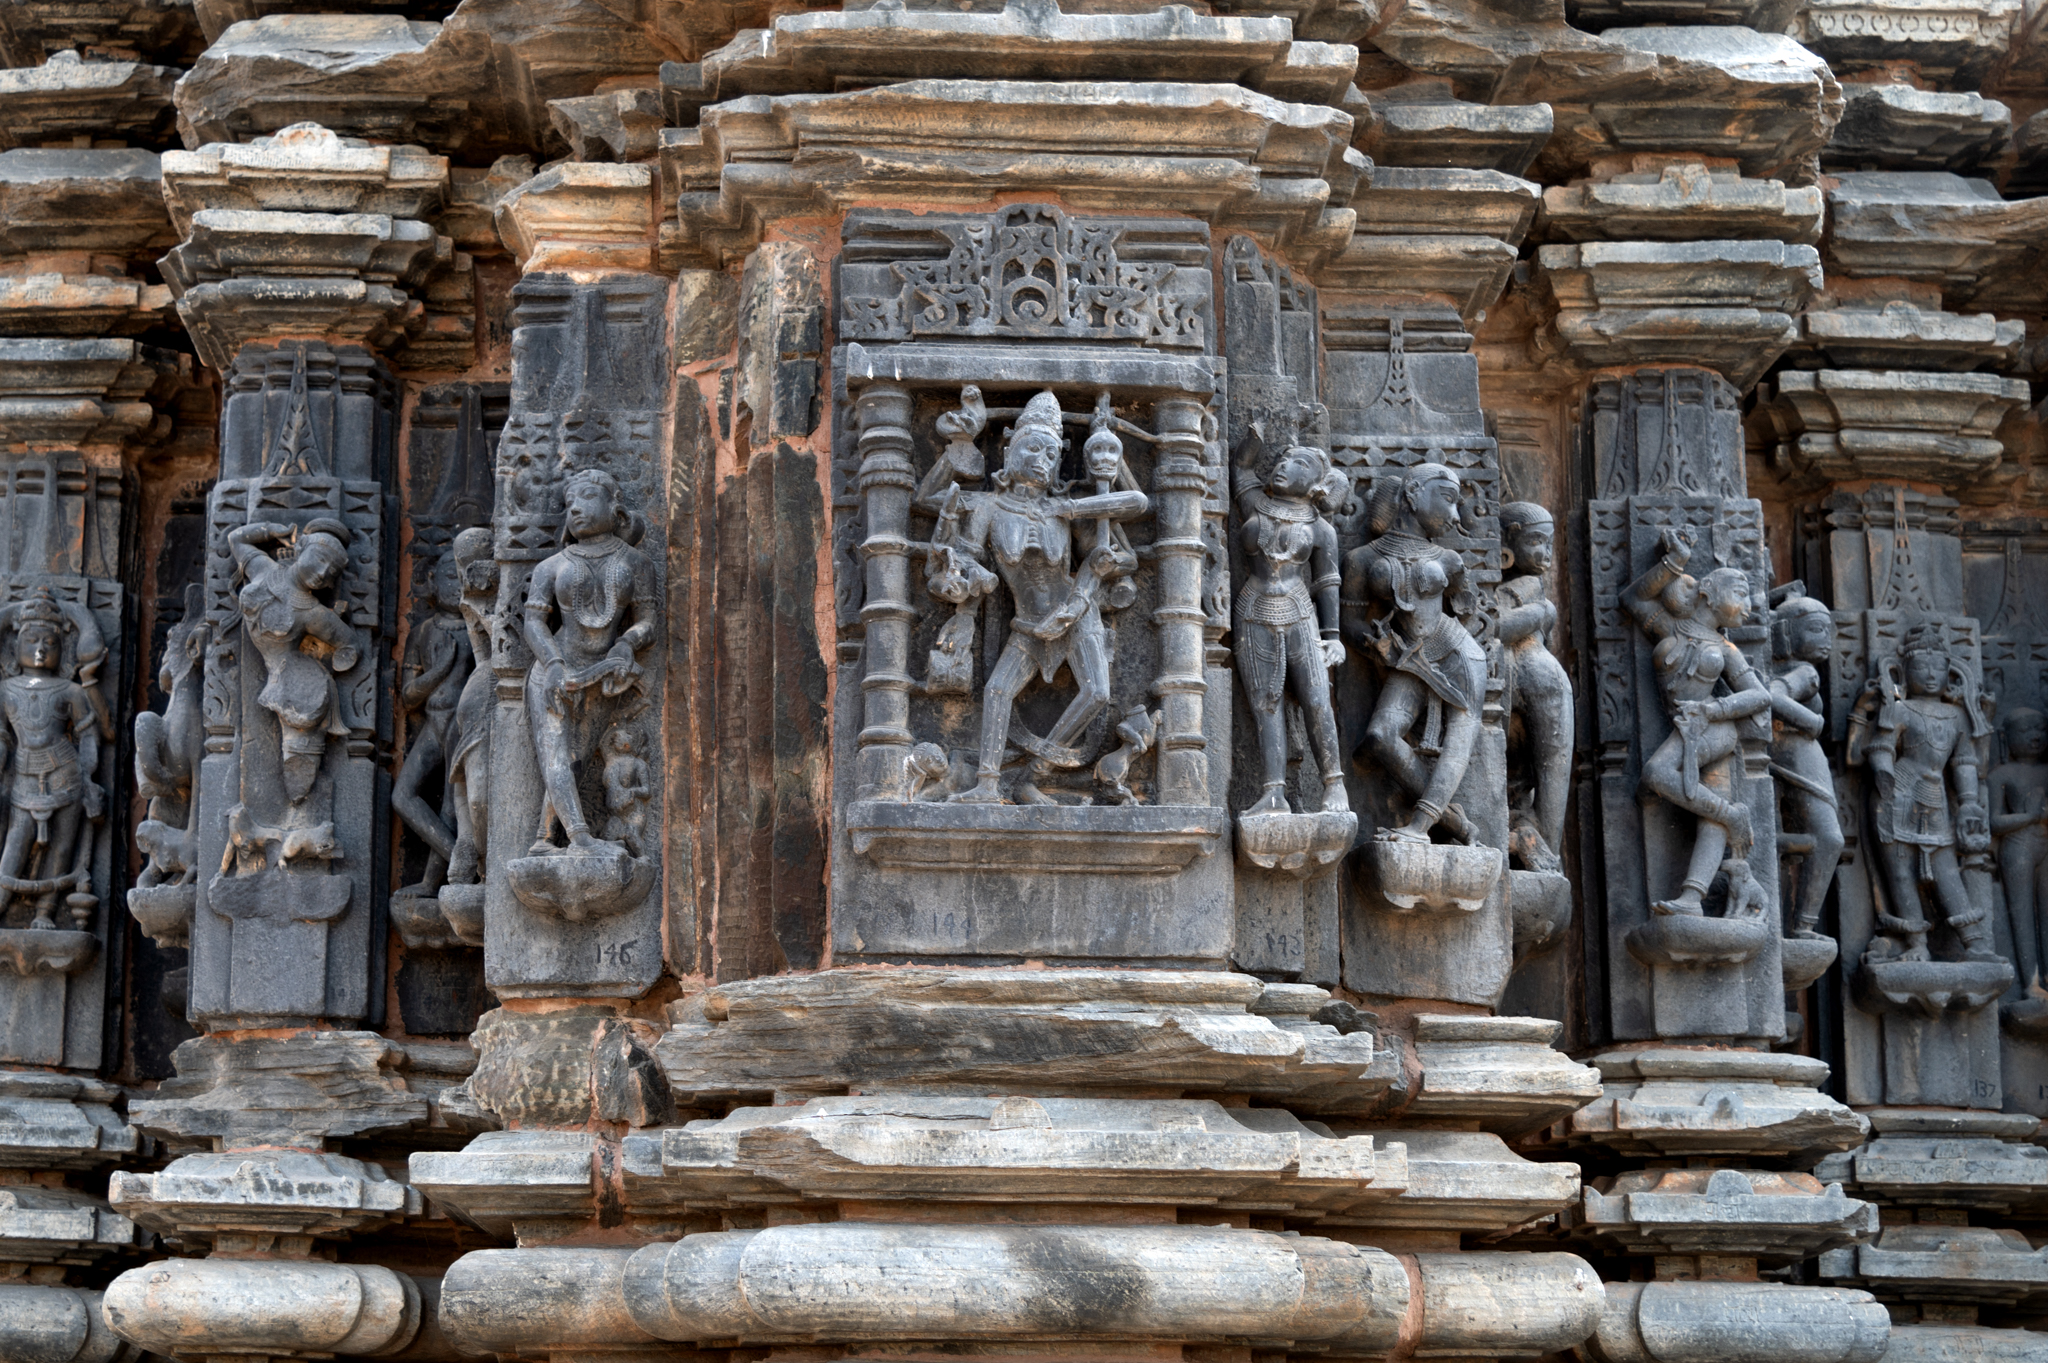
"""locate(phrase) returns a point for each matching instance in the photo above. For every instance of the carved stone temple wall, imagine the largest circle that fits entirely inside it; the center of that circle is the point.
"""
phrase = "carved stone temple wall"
(1035, 681)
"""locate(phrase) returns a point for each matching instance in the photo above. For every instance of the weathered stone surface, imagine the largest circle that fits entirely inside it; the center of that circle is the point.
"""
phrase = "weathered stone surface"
(579, 216)
(304, 168)
(263, 1193)
(1668, 1322)
(1840, 425)
(535, 1181)
(1500, 1072)
(567, 1068)
(479, 83)
(368, 75)
(1888, 324)
(1759, 98)
(62, 1121)
(82, 200)
(297, 1089)
(1944, 1261)
(1037, 1032)
(264, 1308)
(302, 234)
(1187, 1153)
(1935, 227)
(1408, 201)
(83, 392)
(1238, 158)
(1890, 126)
(1679, 198)
(58, 1324)
(67, 98)
(1731, 304)
(1460, 1180)
(1467, 272)
(1964, 1344)
(58, 1226)
(1422, 124)
(615, 125)
(567, 1299)
(1949, 42)
(1024, 40)
(1775, 1217)
(852, 1281)
(1661, 1101)
(161, 30)
(1937, 1158)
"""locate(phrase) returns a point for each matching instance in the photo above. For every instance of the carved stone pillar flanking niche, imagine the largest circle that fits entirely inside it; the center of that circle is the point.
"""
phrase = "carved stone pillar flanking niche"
(445, 689)
(1291, 840)
(1427, 905)
(1920, 950)
(1678, 578)
(572, 869)
(1032, 747)
(289, 863)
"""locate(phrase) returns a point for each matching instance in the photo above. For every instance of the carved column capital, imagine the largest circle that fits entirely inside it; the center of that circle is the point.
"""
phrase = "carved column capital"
(303, 235)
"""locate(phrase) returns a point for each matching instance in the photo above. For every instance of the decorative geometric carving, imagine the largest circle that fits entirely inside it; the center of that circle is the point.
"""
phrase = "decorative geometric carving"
(1031, 271)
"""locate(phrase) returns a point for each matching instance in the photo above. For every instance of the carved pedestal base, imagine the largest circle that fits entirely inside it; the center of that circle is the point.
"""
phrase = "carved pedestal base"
(582, 885)
(165, 912)
(1805, 959)
(1441, 877)
(1696, 971)
(994, 884)
(1298, 844)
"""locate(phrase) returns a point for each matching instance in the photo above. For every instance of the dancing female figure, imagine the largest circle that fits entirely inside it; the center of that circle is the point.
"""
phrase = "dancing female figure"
(1058, 622)
(1436, 671)
(1696, 767)
(304, 642)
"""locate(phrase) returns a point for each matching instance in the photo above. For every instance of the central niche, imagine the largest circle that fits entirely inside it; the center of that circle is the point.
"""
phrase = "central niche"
(1031, 458)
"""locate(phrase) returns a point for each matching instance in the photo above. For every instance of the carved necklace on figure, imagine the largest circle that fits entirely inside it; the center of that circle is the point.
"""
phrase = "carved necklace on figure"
(600, 565)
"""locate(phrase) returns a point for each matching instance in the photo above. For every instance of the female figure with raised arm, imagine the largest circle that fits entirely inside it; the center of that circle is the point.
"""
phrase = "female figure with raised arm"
(1395, 587)
(1696, 767)
(304, 642)
(589, 615)
(1058, 622)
